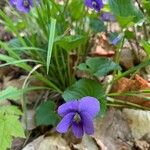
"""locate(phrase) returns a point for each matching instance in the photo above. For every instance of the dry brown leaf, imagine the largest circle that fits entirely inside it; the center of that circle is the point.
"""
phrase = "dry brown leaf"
(87, 144)
(126, 85)
(112, 131)
(116, 131)
(34, 145)
(100, 51)
(101, 46)
(53, 142)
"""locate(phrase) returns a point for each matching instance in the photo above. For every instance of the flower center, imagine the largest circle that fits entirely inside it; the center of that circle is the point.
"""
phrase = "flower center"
(26, 3)
(77, 118)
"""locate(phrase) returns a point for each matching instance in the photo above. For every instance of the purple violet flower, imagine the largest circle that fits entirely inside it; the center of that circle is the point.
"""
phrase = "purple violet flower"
(94, 4)
(22, 5)
(79, 116)
(106, 16)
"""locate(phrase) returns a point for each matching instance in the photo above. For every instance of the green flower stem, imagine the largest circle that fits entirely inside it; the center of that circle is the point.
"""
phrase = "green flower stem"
(119, 48)
(133, 69)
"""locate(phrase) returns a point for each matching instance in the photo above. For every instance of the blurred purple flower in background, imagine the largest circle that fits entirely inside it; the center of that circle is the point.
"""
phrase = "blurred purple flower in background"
(117, 39)
(106, 16)
(22, 5)
(79, 115)
(13, 2)
(94, 4)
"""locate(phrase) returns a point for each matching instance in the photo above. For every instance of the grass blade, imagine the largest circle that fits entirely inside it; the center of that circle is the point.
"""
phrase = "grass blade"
(51, 42)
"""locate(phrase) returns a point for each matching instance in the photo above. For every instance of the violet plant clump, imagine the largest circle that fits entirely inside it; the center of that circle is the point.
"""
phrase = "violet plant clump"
(94, 4)
(52, 46)
(79, 115)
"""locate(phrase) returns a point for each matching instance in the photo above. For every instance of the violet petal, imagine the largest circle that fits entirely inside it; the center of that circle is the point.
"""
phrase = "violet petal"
(88, 3)
(77, 129)
(90, 105)
(65, 123)
(12, 2)
(88, 126)
(21, 7)
(68, 107)
(96, 4)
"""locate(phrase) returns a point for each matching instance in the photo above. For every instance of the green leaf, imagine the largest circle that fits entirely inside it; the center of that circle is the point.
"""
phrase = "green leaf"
(129, 34)
(125, 21)
(10, 61)
(125, 12)
(10, 93)
(9, 126)
(11, 110)
(97, 25)
(9, 50)
(51, 42)
(146, 5)
(86, 87)
(77, 9)
(82, 88)
(46, 115)
(14, 43)
(71, 42)
(98, 66)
